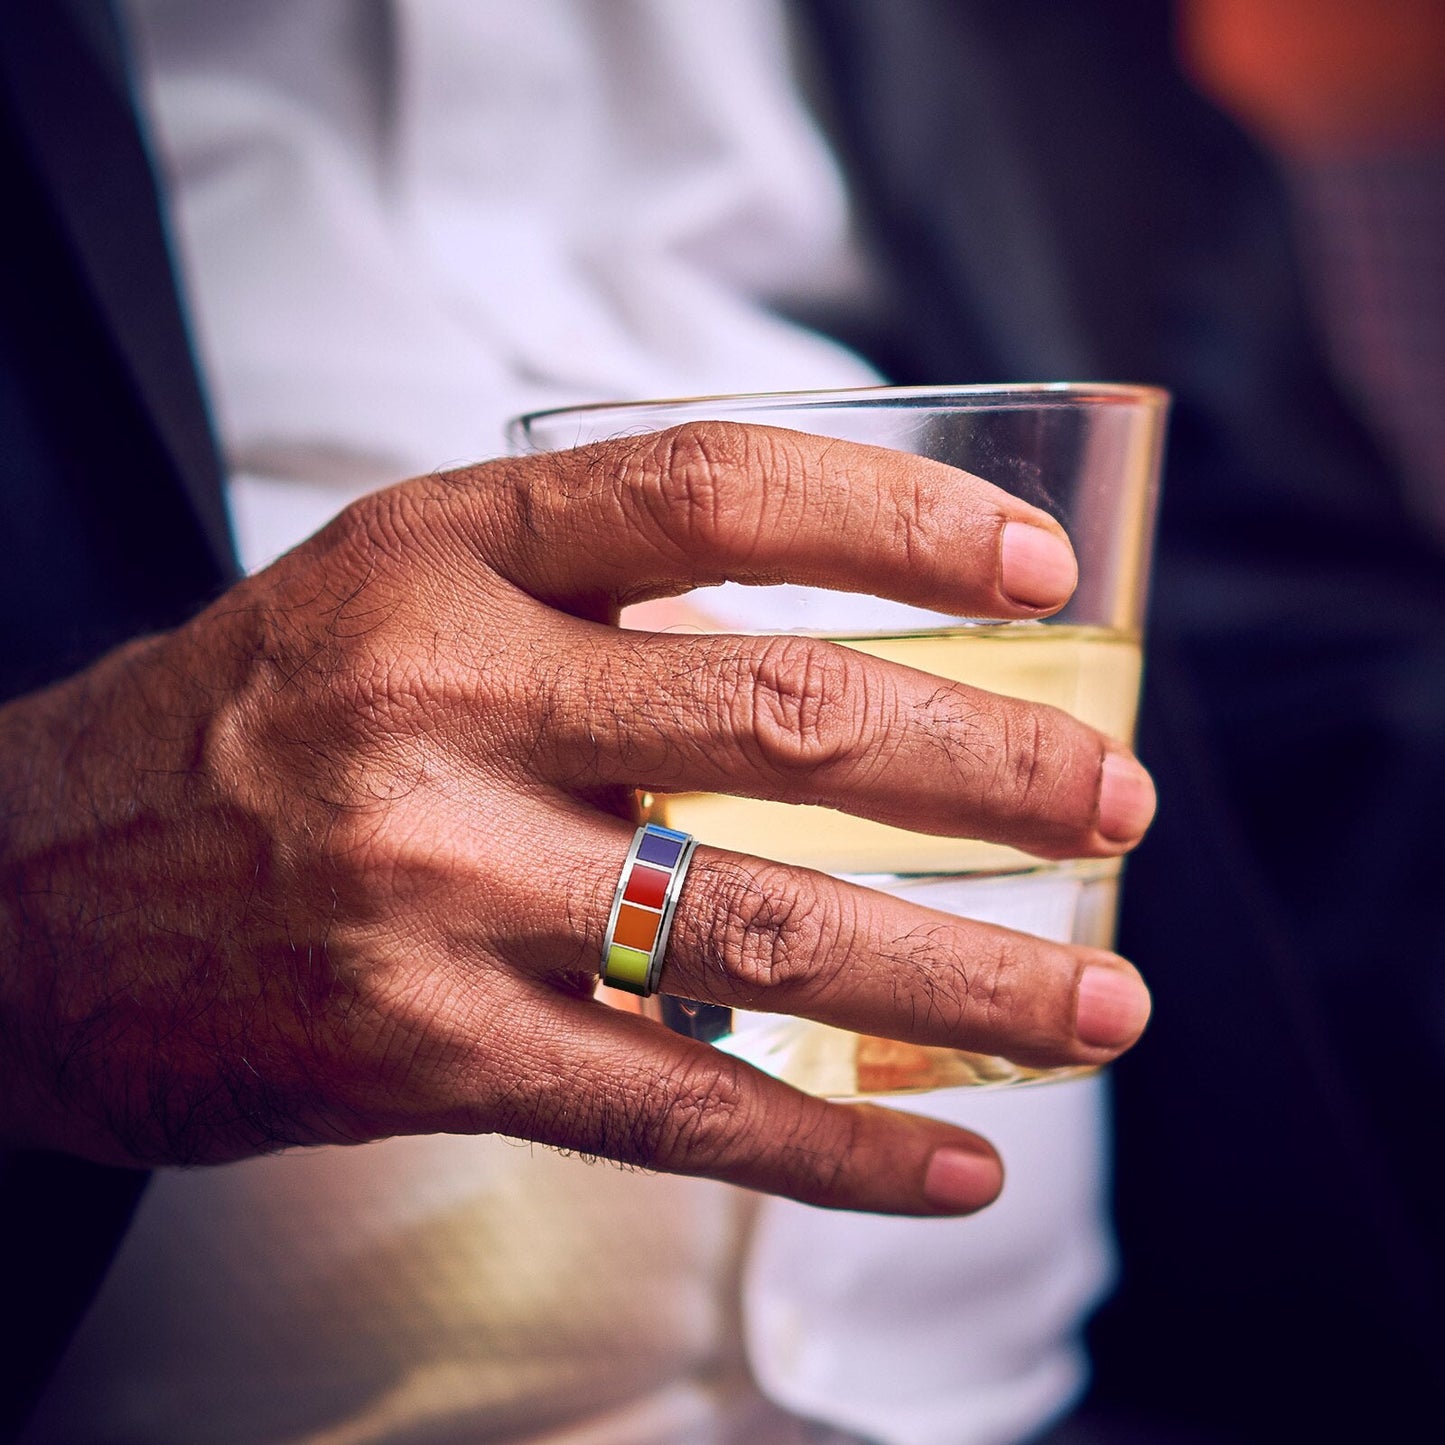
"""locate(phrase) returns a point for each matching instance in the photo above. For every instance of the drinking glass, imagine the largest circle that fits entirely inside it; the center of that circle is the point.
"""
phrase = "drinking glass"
(1089, 455)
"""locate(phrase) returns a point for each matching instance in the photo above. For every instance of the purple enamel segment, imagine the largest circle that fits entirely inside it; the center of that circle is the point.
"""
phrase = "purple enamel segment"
(659, 850)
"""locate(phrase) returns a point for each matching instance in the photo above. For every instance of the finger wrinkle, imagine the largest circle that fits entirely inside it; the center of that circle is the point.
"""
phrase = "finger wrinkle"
(798, 705)
(763, 933)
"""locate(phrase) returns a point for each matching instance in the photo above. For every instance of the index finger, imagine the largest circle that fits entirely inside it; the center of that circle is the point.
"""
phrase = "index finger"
(707, 502)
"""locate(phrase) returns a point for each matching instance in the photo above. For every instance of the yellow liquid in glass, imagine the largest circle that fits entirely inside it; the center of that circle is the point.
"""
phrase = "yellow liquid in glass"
(1090, 672)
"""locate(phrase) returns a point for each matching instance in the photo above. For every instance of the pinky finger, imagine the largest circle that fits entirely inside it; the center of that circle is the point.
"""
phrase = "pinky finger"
(613, 1084)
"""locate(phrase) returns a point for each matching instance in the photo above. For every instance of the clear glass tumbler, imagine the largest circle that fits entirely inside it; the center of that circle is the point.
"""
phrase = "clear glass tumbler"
(1087, 454)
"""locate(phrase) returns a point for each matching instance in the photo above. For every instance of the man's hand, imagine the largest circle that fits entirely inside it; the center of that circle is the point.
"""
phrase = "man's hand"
(334, 861)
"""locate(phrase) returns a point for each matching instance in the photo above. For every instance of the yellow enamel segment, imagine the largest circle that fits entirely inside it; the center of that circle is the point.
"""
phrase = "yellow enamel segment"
(626, 966)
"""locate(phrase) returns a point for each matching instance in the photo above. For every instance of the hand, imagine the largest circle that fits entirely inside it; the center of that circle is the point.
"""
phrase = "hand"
(334, 860)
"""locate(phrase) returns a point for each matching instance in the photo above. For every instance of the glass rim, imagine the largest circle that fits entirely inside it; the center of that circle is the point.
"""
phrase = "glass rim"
(984, 396)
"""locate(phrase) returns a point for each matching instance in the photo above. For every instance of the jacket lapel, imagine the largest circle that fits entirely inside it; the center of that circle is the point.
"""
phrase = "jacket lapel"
(64, 67)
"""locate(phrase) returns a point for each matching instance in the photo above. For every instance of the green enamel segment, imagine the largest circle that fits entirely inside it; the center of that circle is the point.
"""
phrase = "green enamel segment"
(626, 966)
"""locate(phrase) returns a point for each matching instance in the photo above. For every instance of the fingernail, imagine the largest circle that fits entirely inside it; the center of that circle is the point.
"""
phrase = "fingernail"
(1036, 568)
(1112, 1010)
(1126, 799)
(958, 1180)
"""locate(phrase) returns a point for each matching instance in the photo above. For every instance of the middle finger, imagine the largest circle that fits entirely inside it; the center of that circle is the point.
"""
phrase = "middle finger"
(802, 720)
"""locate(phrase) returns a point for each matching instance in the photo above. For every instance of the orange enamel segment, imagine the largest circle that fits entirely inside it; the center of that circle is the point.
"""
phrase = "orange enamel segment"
(636, 927)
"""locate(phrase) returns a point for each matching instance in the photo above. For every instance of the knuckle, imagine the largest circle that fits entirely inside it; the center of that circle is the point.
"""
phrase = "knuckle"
(1027, 753)
(374, 838)
(386, 526)
(701, 485)
(687, 493)
(991, 981)
(695, 455)
(771, 930)
(816, 1155)
(696, 1112)
(1032, 768)
(1008, 1001)
(1053, 765)
(1034, 773)
(531, 495)
(919, 536)
(702, 1116)
(805, 704)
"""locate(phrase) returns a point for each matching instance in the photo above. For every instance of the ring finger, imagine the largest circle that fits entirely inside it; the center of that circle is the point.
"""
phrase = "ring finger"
(764, 936)
(803, 720)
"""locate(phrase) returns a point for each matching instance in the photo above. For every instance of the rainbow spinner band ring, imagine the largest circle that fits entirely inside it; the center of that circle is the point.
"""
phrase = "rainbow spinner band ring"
(642, 908)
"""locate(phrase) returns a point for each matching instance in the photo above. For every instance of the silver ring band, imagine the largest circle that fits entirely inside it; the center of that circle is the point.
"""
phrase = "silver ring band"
(643, 907)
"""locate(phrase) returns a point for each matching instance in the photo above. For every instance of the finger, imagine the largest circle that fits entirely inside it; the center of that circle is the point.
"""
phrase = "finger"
(801, 720)
(713, 501)
(583, 1076)
(764, 936)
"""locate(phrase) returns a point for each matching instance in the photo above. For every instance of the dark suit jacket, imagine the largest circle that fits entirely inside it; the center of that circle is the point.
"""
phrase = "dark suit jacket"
(111, 521)
(1044, 198)
(1047, 198)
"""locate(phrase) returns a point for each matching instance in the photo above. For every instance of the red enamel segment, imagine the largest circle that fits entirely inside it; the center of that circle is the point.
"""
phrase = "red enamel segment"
(646, 886)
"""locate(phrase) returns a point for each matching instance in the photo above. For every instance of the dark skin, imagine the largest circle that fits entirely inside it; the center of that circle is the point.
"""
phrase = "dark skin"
(333, 861)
